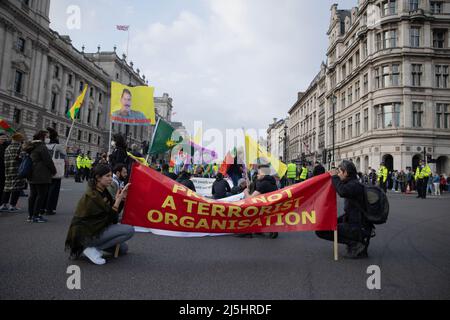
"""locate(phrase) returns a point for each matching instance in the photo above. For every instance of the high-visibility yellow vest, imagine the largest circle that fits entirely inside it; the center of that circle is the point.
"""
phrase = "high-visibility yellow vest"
(304, 174)
(291, 171)
(87, 162)
(80, 162)
(382, 172)
(424, 173)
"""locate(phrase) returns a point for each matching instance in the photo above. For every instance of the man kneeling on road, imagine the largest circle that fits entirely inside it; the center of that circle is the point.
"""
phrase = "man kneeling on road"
(353, 228)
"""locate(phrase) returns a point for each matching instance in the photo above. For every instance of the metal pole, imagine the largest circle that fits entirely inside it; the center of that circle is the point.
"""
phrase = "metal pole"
(334, 124)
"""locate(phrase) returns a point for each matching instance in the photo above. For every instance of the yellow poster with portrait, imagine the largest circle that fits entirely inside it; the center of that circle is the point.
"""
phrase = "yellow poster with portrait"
(132, 105)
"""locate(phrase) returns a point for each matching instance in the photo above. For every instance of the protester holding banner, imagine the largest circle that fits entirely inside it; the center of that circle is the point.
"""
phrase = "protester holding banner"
(94, 226)
(353, 229)
(220, 188)
(265, 183)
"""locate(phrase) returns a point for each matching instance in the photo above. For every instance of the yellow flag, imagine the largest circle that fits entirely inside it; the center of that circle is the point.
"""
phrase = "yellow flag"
(72, 113)
(138, 159)
(254, 151)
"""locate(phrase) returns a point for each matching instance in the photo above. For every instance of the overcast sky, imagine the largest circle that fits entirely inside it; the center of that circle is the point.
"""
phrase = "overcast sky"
(230, 63)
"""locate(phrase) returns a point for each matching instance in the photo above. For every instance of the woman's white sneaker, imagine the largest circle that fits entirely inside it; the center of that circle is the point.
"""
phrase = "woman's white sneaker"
(94, 255)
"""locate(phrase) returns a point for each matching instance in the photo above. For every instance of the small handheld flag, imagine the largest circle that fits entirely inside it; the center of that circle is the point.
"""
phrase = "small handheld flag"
(5, 126)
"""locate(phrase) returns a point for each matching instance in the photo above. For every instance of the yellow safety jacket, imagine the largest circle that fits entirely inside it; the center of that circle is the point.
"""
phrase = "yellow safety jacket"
(87, 162)
(80, 162)
(424, 173)
(382, 172)
(292, 171)
(304, 174)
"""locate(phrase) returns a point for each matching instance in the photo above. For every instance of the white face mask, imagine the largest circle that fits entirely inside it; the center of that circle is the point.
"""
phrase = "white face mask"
(113, 143)
(47, 140)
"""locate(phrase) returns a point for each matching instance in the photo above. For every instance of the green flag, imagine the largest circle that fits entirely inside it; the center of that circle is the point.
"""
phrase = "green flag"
(162, 138)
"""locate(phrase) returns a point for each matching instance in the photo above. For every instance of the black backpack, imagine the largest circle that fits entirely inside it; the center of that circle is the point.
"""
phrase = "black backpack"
(376, 209)
(25, 168)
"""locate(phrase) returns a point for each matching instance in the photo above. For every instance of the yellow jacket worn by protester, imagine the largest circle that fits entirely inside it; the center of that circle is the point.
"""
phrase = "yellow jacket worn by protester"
(424, 173)
(291, 171)
(382, 172)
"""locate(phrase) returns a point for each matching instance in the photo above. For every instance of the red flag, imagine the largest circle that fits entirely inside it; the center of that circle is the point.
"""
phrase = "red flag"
(309, 206)
(227, 162)
(5, 126)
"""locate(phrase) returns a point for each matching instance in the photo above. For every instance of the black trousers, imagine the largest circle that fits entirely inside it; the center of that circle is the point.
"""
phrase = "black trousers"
(347, 234)
(86, 173)
(2, 185)
(53, 195)
(14, 195)
(383, 185)
(37, 199)
(421, 187)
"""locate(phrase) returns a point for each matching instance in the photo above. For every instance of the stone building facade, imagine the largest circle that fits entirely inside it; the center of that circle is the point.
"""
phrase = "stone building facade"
(387, 78)
(42, 74)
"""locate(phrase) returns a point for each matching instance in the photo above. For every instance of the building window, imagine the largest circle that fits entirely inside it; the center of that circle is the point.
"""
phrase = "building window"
(366, 83)
(29, 116)
(69, 80)
(350, 95)
(414, 37)
(442, 116)
(18, 81)
(21, 44)
(417, 75)
(67, 132)
(439, 39)
(100, 97)
(417, 114)
(358, 124)
(89, 116)
(357, 90)
(99, 140)
(81, 86)
(377, 79)
(350, 65)
(90, 138)
(91, 93)
(98, 120)
(344, 72)
(342, 101)
(17, 116)
(395, 73)
(390, 39)
(379, 41)
(436, 7)
(54, 100)
(366, 120)
(56, 73)
(79, 135)
(350, 128)
(389, 7)
(441, 76)
(357, 59)
(413, 5)
(343, 130)
(117, 76)
(67, 106)
(388, 116)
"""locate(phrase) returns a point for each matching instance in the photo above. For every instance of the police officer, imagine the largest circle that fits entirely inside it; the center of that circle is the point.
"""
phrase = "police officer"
(382, 177)
(291, 173)
(353, 229)
(80, 167)
(304, 173)
(421, 177)
(87, 166)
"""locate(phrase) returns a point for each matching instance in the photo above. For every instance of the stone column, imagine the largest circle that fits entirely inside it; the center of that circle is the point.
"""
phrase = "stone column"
(6, 77)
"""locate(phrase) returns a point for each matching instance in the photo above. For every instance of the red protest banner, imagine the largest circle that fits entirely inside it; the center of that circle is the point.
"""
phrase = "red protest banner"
(155, 201)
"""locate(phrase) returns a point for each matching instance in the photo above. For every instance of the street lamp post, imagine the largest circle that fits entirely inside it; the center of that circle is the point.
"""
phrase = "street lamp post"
(333, 101)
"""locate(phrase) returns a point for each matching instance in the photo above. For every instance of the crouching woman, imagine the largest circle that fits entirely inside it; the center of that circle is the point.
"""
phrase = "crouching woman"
(94, 229)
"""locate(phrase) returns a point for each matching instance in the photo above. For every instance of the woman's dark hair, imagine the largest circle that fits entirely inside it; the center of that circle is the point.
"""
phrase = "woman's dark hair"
(99, 171)
(120, 141)
(118, 168)
(40, 135)
(219, 176)
(348, 167)
(53, 135)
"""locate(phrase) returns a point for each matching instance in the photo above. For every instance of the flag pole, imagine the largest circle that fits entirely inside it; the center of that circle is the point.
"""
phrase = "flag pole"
(336, 245)
(70, 133)
(245, 159)
(110, 137)
(128, 40)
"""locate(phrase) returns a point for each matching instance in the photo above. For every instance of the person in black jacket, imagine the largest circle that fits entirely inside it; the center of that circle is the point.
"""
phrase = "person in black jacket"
(353, 229)
(265, 183)
(242, 185)
(185, 180)
(318, 169)
(41, 176)
(220, 187)
(167, 173)
(119, 155)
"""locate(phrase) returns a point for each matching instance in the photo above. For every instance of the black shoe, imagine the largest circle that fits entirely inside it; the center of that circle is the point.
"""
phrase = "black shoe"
(356, 251)
(273, 235)
(50, 213)
(244, 235)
